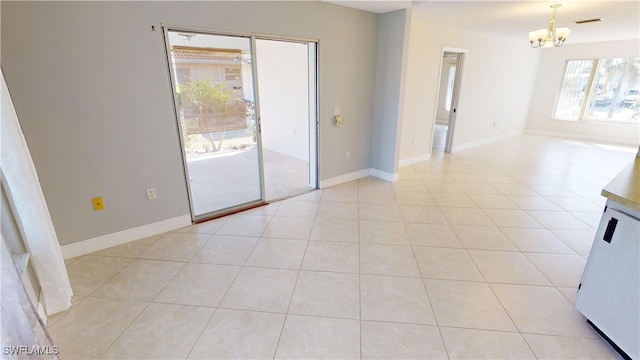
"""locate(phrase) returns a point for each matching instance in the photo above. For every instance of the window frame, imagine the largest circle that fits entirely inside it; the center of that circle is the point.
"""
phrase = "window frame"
(589, 95)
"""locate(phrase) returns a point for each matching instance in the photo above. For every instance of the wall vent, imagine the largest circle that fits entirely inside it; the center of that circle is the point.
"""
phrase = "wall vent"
(588, 21)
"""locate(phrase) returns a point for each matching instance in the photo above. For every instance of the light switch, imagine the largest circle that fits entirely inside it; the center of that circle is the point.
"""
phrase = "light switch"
(151, 193)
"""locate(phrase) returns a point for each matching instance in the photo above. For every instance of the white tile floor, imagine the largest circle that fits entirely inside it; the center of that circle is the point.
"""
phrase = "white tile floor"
(475, 254)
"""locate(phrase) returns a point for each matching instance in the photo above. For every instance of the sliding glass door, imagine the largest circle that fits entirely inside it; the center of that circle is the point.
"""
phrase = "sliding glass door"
(215, 103)
(241, 151)
(287, 87)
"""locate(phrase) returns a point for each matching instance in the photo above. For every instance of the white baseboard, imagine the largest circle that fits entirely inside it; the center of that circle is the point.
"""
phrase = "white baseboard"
(414, 159)
(358, 175)
(384, 175)
(121, 237)
(485, 141)
(602, 139)
(344, 178)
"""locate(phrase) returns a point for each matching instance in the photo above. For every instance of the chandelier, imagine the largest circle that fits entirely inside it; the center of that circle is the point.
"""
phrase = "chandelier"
(550, 36)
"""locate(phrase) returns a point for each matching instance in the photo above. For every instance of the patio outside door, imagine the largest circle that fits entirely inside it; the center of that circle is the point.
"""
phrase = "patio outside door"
(213, 85)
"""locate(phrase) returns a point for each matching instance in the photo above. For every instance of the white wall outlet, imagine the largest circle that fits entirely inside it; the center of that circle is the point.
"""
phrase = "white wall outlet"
(337, 111)
(347, 155)
(151, 193)
(337, 120)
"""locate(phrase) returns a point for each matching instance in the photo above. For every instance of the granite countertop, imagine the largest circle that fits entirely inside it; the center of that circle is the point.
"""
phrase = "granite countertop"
(625, 187)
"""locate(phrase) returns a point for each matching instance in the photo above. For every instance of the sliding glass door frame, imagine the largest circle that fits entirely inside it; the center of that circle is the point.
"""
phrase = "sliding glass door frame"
(313, 114)
(314, 104)
(314, 111)
(256, 96)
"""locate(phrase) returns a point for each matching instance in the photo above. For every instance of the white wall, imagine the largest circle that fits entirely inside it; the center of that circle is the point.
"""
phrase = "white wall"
(549, 79)
(15, 243)
(91, 86)
(497, 83)
(283, 74)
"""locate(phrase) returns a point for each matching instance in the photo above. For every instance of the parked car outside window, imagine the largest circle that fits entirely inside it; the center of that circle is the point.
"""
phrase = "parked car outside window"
(630, 98)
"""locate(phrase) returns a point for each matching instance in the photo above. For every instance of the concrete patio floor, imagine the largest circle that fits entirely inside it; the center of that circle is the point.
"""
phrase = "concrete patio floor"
(232, 178)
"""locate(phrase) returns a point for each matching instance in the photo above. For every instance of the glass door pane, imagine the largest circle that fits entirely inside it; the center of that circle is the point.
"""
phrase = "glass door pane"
(287, 87)
(213, 84)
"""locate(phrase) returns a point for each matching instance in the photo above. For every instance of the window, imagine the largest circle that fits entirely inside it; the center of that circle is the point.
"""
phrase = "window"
(600, 90)
(450, 81)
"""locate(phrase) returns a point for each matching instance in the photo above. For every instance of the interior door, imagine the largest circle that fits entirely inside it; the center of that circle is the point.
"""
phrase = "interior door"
(215, 102)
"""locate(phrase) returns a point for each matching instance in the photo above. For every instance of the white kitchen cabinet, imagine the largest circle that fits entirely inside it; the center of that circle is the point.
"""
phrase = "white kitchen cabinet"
(609, 289)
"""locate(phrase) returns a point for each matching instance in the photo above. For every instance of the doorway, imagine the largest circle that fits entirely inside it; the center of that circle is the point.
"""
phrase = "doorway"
(447, 104)
(229, 158)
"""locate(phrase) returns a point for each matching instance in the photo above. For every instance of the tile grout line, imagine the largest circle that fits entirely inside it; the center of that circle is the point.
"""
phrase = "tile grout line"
(149, 302)
(295, 285)
(125, 329)
(359, 273)
(204, 328)
(433, 312)
(226, 291)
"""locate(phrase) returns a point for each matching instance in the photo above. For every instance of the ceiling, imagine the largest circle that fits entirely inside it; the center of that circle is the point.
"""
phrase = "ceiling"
(621, 19)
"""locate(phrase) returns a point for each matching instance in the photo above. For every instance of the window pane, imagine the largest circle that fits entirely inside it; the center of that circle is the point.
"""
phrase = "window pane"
(574, 85)
(615, 91)
(450, 80)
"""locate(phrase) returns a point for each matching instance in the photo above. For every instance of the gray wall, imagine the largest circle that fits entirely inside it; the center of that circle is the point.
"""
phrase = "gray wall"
(90, 85)
(389, 83)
